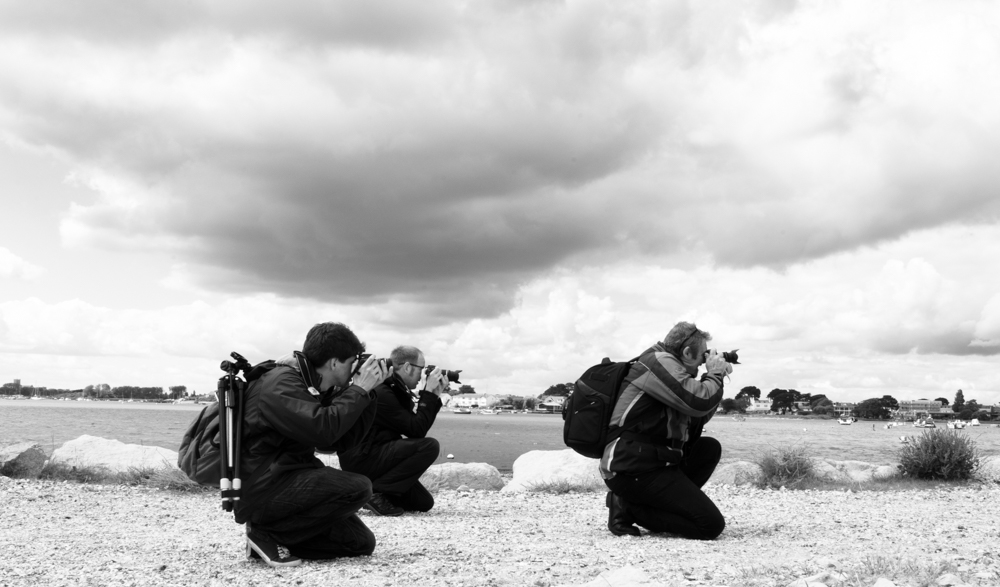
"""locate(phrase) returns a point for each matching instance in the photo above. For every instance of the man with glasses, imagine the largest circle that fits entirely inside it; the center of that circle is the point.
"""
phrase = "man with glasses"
(393, 463)
(658, 460)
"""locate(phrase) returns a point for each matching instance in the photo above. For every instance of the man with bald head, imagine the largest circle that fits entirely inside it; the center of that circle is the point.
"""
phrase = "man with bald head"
(396, 451)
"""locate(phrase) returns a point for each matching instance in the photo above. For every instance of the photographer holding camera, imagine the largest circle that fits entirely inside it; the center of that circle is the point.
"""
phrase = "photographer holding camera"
(658, 460)
(294, 507)
(393, 463)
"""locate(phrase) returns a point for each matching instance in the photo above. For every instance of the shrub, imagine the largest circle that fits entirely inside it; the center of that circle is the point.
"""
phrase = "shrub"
(940, 454)
(788, 467)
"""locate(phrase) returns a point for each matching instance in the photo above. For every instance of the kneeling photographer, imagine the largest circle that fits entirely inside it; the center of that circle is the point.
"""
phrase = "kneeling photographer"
(394, 464)
(658, 461)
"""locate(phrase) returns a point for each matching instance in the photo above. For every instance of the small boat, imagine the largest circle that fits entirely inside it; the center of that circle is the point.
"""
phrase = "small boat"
(487, 411)
(956, 425)
(462, 411)
(924, 423)
(845, 421)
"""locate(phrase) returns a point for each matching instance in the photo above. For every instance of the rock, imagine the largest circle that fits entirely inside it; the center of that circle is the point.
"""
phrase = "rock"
(827, 563)
(885, 472)
(738, 473)
(843, 471)
(949, 579)
(93, 451)
(455, 475)
(557, 469)
(24, 460)
(329, 460)
(989, 469)
(883, 582)
(627, 576)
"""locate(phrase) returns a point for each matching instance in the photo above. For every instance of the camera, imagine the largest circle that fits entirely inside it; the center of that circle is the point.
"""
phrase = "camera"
(386, 363)
(729, 356)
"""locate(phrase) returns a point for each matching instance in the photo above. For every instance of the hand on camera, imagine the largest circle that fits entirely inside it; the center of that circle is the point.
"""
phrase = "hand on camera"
(372, 372)
(437, 382)
(714, 363)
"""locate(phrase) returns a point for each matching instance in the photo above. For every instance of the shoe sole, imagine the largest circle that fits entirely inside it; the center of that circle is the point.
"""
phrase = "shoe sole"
(388, 515)
(253, 552)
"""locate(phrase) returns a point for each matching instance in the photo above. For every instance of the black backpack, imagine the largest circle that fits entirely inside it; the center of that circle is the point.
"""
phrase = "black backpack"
(587, 412)
(200, 456)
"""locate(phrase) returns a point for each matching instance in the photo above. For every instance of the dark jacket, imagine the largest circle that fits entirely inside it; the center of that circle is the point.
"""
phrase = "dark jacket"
(660, 409)
(396, 417)
(284, 425)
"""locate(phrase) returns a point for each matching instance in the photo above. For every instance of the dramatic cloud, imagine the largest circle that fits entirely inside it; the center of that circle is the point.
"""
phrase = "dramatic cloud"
(442, 156)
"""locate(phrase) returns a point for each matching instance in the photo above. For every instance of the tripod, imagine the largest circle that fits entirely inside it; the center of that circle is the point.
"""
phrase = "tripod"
(230, 393)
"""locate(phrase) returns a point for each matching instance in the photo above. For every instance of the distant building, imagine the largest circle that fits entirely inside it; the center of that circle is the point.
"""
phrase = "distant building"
(758, 406)
(919, 408)
(843, 408)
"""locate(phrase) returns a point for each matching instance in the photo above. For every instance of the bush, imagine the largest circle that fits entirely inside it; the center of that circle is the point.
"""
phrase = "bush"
(940, 454)
(789, 467)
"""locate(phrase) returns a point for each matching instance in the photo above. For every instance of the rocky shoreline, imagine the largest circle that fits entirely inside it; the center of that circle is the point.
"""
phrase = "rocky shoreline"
(60, 533)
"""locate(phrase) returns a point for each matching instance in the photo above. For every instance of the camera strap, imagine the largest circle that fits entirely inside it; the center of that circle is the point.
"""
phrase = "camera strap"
(306, 371)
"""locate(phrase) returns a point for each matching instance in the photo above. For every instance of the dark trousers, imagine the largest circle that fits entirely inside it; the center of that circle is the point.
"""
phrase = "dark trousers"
(671, 499)
(315, 516)
(395, 469)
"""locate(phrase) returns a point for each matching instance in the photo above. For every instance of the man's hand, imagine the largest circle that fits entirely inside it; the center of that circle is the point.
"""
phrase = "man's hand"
(437, 382)
(714, 363)
(372, 373)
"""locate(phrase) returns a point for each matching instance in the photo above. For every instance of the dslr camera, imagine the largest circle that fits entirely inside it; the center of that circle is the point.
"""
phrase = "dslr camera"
(386, 363)
(728, 356)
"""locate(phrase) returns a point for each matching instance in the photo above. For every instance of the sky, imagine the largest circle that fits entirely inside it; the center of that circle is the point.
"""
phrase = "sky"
(517, 188)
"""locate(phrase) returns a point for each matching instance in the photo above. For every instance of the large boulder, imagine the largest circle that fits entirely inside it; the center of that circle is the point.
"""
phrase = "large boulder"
(560, 470)
(113, 455)
(737, 473)
(845, 471)
(24, 460)
(989, 469)
(455, 475)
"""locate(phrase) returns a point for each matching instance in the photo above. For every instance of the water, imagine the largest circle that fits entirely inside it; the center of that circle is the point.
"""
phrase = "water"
(496, 439)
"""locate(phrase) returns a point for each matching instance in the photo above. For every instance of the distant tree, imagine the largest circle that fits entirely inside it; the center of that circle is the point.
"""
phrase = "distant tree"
(466, 389)
(178, 391)
(727, 405)
(741, 404)
(819, 410)
(944, 401)
(559, 389)
(965, 414)
(959, 404)
(972, 405)
(890, 402)
(784, 399)
(89, 391)
(749, 391)
(820, 401)
(874, 408)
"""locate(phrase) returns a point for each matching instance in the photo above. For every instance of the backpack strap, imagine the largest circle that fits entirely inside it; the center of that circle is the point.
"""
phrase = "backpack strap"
(306, 370)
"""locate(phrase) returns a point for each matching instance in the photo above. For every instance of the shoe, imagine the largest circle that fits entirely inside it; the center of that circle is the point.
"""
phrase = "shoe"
(619, 522)
(271, 552)
(382, 506)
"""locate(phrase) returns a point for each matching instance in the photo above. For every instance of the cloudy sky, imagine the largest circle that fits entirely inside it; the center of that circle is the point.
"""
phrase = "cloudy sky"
(519, 188)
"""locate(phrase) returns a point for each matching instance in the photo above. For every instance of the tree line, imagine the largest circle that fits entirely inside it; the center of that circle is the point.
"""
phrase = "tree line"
(98, 391)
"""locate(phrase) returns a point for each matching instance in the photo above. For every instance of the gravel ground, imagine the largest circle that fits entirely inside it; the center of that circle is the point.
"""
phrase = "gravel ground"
(60, 533)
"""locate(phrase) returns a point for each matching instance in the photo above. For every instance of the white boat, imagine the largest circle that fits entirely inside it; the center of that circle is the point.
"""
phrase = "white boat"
(487, 411)
(956, 425)
(974, 422)
(462, 411)
(845, 421)
(925, 423)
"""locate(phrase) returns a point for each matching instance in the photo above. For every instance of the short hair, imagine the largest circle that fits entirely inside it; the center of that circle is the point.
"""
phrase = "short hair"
(684, 334)
(404, 354)
(331, 340)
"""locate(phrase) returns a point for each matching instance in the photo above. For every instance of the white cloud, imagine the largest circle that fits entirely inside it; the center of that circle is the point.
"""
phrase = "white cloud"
(14, 267)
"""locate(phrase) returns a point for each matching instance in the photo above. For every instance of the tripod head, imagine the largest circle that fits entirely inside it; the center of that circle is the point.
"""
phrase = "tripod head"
(232, 368)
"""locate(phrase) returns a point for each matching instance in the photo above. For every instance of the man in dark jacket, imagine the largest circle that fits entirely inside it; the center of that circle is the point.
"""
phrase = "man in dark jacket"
(393, 463)
(658, 460)
(294, 507)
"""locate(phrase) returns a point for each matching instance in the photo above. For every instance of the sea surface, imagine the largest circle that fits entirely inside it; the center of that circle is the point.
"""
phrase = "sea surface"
(497, 439)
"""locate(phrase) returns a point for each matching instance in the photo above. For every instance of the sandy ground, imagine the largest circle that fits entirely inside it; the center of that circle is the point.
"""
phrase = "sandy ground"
(59, 533)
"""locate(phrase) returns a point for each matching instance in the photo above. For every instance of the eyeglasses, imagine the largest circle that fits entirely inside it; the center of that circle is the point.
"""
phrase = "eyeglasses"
(415, 365)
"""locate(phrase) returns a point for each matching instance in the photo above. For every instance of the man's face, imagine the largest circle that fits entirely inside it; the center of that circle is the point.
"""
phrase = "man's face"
(410, 372)
(694, 356)
(341, 372)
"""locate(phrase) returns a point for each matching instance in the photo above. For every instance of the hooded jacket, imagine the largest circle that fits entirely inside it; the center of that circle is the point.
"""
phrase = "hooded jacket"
(660, 407)
(286, 421)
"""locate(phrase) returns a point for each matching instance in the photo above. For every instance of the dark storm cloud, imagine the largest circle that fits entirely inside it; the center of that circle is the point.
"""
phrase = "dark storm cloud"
(442, 154)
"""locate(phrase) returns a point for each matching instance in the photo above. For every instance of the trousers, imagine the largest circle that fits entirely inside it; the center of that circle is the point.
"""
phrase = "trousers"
(315, 516)
(670, 499)
(394, 469)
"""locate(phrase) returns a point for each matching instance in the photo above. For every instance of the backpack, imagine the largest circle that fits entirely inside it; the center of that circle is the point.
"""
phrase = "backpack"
(200, 454)
(587, 412)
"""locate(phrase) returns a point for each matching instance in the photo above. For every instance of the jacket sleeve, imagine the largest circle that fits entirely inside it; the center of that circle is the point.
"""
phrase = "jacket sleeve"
(357, 433)
(665, 378)
(395, 417)
(296, 414)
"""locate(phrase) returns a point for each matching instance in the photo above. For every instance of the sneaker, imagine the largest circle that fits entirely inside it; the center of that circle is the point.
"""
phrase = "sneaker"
(271, 552)
(382, 506)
